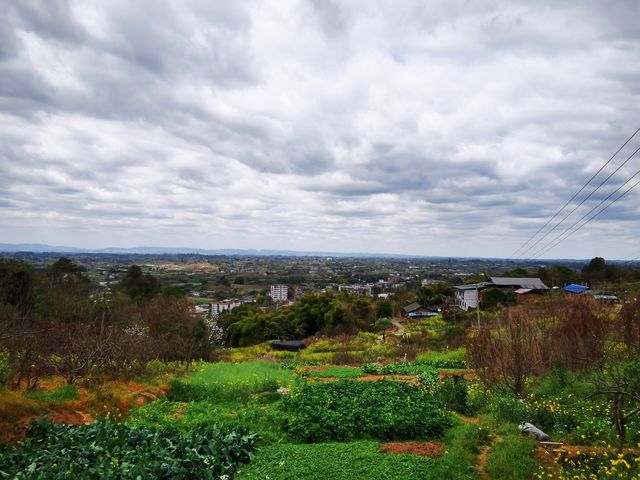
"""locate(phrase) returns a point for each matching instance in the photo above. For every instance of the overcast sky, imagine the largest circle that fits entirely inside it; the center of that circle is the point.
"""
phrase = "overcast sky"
(453, 128)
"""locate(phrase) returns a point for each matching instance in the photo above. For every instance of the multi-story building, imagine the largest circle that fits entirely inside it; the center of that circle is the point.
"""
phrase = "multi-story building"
(279, 293)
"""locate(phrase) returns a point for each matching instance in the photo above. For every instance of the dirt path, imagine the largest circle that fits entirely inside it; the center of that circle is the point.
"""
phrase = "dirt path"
(481, 466)
(485, 450)
(396, 323)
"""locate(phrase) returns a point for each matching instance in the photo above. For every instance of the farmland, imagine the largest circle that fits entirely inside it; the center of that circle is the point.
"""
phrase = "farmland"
(141, 391)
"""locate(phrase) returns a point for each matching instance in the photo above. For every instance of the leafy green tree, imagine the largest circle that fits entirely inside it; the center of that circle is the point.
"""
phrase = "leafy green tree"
(138, 286)
(595, 270)
(350, 314)
(495, 297)
(381, 325)
(18, 285)
(384, 308)
(515, 273)
(559, 275)
(435, 294)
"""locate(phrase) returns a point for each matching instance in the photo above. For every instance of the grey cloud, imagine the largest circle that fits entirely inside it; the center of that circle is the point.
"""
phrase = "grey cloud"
(241, 121)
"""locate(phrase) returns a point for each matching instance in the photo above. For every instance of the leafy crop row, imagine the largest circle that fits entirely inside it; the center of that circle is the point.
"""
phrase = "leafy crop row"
(347, 409)
(116, 451)
(411, 368)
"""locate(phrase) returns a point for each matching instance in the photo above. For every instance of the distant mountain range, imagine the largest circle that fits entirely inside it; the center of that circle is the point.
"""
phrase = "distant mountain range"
(43, 248)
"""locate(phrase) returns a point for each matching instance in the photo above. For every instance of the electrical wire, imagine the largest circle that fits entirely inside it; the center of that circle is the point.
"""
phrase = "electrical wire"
(574, 195)
(582, 202)
(570, 231)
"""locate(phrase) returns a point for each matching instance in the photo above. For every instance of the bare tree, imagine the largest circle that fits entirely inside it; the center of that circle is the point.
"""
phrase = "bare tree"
(505, 357)
(620, 384)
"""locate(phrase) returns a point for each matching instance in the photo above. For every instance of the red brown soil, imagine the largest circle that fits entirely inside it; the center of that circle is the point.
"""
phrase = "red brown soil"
(423, 449)
(126, 395)
(547, 460)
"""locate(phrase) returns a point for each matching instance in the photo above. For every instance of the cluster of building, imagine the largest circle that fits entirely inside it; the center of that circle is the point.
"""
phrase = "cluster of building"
(602, 295)
(470, 296)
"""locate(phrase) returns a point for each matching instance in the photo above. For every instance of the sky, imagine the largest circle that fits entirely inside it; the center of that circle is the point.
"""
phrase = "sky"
(451, 128)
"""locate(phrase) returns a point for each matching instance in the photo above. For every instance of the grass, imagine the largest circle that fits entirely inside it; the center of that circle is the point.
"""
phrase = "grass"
(60, 394)
(335, 372)
(14, 404)
(437, 355)
(261, 415)
(513, 457)
(231, 381)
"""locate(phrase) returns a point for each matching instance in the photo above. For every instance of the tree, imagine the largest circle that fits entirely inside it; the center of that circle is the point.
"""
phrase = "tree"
(435, 294)
(506, 357)
(138, 286)
(628, 326)
(515, 273)
(384, 308)
(620, 384)
(381, 325)
(495, 297)
(596, 270)
(18, 285)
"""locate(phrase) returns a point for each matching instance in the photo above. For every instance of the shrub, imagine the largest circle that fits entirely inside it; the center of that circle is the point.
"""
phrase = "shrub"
(509, 409)
(430, 379)
(108, 450)
(453, 393)
(350, 409)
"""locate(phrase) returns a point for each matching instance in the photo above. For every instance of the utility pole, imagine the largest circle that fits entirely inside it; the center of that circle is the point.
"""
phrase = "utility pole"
(478, 306)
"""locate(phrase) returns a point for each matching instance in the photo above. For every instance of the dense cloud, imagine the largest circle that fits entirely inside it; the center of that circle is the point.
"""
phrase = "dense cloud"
(433, 128)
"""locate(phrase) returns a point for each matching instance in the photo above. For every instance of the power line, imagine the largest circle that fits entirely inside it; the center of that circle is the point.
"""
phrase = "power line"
(567, 233)
(582, 202)
(574, 195)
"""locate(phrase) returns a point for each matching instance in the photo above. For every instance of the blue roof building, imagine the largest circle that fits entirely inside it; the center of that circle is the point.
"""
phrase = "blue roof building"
(573, 288)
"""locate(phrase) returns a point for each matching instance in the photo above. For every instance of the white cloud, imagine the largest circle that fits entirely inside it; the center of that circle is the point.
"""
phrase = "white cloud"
(427, 128)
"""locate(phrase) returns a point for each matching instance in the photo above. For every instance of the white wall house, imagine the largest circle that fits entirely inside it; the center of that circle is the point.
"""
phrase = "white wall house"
(279, 293)
(466, 296)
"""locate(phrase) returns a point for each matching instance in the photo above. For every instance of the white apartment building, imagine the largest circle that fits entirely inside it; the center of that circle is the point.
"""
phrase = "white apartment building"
(279, 293)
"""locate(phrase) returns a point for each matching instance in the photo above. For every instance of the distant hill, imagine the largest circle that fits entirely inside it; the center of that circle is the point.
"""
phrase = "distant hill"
(43, 248)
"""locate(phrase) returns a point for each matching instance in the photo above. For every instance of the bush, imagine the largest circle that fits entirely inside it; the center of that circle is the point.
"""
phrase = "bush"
(430, 378)
(453, 393)
(550, 415)
(116, 451)
(509, 409)
(349, 409)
